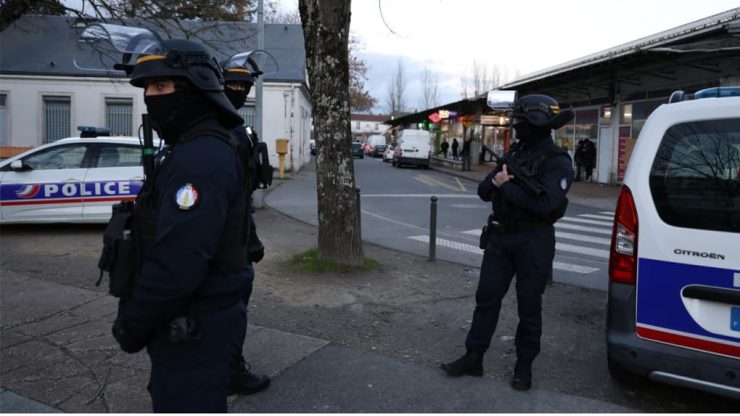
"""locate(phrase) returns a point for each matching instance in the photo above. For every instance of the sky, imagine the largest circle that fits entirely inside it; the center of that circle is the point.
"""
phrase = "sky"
(517, 37)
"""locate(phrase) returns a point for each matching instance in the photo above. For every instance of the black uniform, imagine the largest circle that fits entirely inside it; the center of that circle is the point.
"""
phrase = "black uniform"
(198, 197)
(523, 243)
(520, 238)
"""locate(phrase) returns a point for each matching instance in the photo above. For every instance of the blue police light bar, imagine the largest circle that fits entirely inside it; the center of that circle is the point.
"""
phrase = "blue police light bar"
(90, 131)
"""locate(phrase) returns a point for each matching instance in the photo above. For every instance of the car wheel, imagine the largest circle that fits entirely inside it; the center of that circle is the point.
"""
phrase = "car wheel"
(622, 375)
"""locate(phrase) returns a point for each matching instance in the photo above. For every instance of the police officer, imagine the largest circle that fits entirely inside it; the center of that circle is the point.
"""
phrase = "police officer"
(190, 222)
(238, 82)
(520, 238)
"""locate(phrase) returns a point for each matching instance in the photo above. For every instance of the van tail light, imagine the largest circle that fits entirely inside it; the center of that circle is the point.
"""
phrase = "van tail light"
(623, 253)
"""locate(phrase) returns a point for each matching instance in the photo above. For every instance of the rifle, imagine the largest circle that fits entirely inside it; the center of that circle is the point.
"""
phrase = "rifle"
(513, 169)
(148, 150)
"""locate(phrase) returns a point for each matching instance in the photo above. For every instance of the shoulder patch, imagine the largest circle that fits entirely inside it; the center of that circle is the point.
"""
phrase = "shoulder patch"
(564, 183)
(186, 197)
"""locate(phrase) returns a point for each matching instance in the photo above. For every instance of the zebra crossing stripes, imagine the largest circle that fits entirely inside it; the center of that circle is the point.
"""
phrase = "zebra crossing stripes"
(566, 226)
(441, 242)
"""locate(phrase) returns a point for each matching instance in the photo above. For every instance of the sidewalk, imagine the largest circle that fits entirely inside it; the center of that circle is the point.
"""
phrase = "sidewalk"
(591, 194)
(360, 342)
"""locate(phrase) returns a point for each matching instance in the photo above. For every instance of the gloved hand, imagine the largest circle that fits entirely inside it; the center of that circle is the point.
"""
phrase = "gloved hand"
(128, 342)
(255, 255)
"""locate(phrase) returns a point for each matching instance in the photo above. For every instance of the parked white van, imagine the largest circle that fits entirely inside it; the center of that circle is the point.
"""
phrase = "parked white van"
(673, 308)
(413, 147)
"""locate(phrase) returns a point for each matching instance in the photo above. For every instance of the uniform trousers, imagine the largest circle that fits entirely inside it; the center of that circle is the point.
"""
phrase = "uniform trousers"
(192, 376)
(528, 254)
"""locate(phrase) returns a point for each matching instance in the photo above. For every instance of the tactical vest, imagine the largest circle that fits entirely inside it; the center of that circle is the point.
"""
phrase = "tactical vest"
(131, 232)
(531, 166)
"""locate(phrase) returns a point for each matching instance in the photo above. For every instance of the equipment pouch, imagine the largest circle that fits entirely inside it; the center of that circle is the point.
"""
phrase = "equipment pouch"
(264, 170)
(119, 256)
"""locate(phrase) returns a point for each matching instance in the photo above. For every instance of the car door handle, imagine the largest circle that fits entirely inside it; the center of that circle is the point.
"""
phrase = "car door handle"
(72, 180)
(714, 294)
(136, 178)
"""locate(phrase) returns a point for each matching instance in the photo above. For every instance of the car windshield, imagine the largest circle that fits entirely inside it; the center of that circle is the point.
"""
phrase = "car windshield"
(356, 146)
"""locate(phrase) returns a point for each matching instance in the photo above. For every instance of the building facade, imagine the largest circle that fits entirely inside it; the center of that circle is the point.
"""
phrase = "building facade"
(45, 97)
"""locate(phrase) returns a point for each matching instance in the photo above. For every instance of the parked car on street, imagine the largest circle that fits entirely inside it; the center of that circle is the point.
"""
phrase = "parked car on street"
(388, 153)
(74, 180)
(357, 150)
(376, 145)
(673, 304)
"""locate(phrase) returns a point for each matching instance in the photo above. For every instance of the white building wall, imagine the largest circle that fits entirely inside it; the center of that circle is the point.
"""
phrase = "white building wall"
(288, 117)
(287, 110)
(25, 107)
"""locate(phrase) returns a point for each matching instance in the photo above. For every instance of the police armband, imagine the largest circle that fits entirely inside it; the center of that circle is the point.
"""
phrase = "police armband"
(119, 252)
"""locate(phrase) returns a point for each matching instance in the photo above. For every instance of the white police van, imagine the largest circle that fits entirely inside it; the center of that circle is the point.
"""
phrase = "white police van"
(673, 311)
(74, 180)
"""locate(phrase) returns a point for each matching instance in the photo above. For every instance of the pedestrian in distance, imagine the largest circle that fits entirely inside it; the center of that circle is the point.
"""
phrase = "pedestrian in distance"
(589, 158)
(455, 146)
(443, 148)
(239, 76)
(189, 225)
(519, 238)
(579, 157)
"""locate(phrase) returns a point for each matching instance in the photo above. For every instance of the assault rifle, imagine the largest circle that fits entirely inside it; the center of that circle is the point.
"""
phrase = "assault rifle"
(514, 170)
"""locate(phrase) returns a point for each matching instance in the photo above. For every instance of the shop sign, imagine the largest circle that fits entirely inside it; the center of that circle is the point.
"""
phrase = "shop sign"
(488, 120)
(444, 114)
(434, 117)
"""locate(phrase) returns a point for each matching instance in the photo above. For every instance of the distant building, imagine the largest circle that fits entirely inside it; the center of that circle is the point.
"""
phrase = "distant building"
(44, 96)
(365, 125)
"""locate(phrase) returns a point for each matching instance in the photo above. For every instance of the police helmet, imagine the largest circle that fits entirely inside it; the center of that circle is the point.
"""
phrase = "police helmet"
(182, 58)
(541, 111)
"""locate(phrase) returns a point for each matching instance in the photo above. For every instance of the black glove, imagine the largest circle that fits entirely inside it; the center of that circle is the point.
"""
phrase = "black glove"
(128, 342)
(256, 254)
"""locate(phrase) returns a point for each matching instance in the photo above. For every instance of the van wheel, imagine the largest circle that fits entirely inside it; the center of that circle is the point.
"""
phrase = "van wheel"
(622, 375)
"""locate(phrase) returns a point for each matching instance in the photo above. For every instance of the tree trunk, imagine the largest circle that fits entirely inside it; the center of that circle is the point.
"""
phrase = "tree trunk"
(326, 35)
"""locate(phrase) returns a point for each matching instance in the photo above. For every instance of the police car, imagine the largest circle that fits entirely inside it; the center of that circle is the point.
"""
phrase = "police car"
(673, 312)
(73, 180)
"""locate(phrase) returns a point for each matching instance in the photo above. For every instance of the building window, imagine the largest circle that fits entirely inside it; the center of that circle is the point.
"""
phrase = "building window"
(247, 113)
(57, 115)
(119, 116)
(357, 125)
(3, 121)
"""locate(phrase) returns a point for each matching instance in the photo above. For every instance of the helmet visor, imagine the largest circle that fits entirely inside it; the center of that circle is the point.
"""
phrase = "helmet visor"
(105, 47)
(257, 62)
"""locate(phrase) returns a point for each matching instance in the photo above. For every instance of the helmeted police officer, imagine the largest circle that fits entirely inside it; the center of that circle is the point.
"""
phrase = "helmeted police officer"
(520, 237)
(238, 81)
(190, 221)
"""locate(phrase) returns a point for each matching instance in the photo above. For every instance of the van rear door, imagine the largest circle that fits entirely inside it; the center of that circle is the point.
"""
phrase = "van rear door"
(688, 272)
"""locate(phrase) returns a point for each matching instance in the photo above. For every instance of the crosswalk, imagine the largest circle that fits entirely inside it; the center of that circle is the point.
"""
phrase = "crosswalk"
(583, 238)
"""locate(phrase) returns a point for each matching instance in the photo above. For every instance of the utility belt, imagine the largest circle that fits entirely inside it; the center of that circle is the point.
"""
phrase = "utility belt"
(495, 226)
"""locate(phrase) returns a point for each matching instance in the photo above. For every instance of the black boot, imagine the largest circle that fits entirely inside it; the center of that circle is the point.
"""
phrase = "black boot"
(245, 382)
(471, 364)
(522, 376)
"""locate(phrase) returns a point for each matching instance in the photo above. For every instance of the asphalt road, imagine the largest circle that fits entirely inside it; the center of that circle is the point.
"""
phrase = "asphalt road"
(396, 205)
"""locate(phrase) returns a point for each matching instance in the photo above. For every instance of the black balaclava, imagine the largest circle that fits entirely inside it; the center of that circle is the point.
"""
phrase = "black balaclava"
(172, 114)
(237, 97)
(529, 133)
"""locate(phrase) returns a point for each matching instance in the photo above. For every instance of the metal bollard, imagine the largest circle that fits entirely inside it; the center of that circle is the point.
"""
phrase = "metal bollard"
(359, 208)
(433, 229)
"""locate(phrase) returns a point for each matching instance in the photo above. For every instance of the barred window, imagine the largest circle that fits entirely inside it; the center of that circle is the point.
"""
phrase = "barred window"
(119, 116)
(247, 113)
(57, 115)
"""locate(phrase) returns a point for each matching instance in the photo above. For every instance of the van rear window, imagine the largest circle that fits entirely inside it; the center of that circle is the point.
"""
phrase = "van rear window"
(695, 178)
